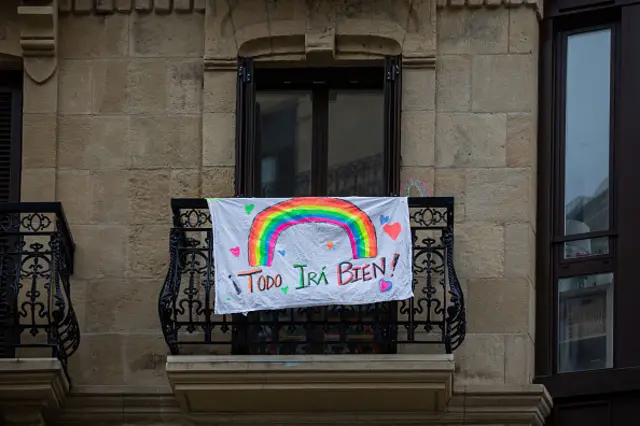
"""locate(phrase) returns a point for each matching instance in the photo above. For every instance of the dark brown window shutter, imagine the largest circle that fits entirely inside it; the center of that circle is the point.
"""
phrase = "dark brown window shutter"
(245, 129)
(392, 111)
(10, 165)
(10, 135)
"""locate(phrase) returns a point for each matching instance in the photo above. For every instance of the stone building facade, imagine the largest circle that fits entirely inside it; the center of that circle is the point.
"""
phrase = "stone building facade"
(128, 103)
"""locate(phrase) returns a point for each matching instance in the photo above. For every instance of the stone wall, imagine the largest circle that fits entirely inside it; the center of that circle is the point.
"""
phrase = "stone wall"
(9, 30)
(484, 155)
(141, 107)
(129, 138)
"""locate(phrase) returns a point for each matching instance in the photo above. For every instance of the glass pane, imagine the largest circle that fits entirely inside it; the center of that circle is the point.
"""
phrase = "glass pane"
(585, 326)
(356, 143)
(587, 132)
(586, 247)
(283, 134)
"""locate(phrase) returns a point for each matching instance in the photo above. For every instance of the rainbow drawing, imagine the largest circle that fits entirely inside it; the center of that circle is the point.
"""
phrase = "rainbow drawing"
(419, 185)
(270, 223)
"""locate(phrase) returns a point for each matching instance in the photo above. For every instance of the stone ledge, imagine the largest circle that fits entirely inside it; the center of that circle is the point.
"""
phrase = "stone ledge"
(487, 3)
(501, 404)
(32, 386)
(470, 405)
(299, 383)
(226, 64)
(536, 5)
(120, 404)
(101, 7)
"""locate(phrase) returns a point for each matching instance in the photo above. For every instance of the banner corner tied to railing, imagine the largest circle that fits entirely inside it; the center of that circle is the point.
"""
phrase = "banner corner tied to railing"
(278, 253)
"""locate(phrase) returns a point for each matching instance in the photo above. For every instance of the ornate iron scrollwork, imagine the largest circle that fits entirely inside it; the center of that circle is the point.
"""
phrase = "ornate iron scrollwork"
(36, 262)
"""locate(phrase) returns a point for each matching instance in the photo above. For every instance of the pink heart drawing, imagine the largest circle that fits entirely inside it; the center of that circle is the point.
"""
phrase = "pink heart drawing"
(385, 286)
(235, 251)
(393, 230)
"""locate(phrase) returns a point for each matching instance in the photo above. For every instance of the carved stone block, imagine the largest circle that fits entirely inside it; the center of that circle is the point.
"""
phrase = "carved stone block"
(182, 5)
(104, 6)
(38, 35)
(321, 44)
(162, 6)
(144, 5)
(124, 5)
(38, 39)
(83, 6)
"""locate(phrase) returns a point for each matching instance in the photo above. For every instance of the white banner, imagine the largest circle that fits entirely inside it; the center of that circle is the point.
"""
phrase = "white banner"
(276, 253)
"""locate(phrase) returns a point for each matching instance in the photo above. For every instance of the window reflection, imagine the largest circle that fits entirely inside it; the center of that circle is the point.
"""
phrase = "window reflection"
(356, 143)
(587, 126)
(585, 322)
(587, 247)
(283, 131)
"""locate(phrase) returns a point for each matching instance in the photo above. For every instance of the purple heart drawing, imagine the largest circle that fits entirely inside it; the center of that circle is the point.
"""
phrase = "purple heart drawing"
(385, 285)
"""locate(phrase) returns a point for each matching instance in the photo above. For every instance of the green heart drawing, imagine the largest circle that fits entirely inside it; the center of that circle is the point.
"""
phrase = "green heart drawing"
(248, 208)
(284, 289)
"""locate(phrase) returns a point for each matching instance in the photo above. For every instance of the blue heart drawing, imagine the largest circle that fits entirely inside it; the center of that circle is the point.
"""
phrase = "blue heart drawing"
(384, 219)
(282, 252)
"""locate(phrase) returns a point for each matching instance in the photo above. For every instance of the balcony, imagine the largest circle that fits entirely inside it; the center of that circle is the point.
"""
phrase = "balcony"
(403, 346)
(39, 330)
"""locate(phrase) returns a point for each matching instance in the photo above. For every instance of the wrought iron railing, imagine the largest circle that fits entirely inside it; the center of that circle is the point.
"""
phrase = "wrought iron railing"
(36, 260)
(435, 315)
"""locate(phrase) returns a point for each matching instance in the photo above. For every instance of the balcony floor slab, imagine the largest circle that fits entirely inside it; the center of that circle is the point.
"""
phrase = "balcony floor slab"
(30, 388)
(302, 383)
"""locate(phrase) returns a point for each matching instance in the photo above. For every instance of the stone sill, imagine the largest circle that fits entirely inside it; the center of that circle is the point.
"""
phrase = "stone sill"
(31, 387)
(34, 382)
(308, 383)
(199, 6)
(477, 405)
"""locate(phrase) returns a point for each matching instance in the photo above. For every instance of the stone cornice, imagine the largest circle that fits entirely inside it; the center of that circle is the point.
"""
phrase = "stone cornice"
(228, 64)
(102, 7)
(534, 4)
(509, 404)
(470, 405)
(120, 404)
(31, 388)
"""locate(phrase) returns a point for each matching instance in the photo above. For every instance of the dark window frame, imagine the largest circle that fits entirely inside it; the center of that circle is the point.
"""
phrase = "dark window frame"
(386, 77)
(319, 82)
(11, 82)
(551, 265)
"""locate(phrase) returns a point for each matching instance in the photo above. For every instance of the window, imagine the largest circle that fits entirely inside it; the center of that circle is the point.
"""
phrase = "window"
(318, 132)
(581, 229)
(588, 202)
(585, 317)
(321, 131)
